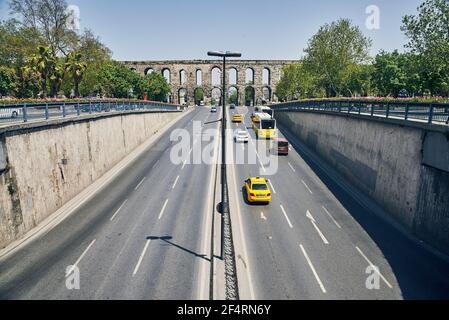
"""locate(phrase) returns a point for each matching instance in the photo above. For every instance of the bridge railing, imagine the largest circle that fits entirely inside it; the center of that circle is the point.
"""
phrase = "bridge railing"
(431, 113)
(10, 113)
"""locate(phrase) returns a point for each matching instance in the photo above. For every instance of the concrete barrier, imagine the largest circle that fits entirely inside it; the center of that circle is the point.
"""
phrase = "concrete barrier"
(44, 165)
(403, 166)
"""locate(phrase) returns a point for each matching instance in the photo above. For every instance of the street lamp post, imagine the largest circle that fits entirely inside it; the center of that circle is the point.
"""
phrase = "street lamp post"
(223, 55)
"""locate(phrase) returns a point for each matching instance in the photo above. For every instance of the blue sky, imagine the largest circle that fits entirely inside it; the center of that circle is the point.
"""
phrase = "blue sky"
(260, 29)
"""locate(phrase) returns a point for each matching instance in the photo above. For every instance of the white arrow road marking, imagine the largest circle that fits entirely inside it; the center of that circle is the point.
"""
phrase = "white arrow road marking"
(262, 216)
(312, 219)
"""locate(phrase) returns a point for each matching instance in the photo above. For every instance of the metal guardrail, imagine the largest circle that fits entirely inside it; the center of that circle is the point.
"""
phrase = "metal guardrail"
(50, 110)
(431, 113)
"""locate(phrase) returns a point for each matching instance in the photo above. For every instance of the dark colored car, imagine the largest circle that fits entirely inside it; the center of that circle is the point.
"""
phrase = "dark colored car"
(282, 147)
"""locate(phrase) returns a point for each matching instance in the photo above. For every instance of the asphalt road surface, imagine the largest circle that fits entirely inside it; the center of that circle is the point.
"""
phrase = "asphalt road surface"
(146, 235)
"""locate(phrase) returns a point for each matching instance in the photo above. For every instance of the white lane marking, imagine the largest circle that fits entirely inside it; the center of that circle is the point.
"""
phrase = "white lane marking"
(140, 183)
(313, 269)
(255, 149)
(136, 269)
(157, 162)
(262, 216)
(184, 164)
(176, 182)
(374, 267)
(118, 210)
(163, 209)
(272, 187)
(307, 187)
(81, 257)
(286, 216)
(291, 167)
(312, 219)
(332, 218)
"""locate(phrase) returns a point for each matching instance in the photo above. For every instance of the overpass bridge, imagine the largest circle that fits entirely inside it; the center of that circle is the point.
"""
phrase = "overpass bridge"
(359, 208)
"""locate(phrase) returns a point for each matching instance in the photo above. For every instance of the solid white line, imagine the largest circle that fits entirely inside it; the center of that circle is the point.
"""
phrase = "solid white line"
(374, 267)
(312, 219)
(136, 269)
(140, 183)
(118, 210)
(272, 187)
(307, 187)
(176, 182)
(332, 218)
(313, 269)
(163, 209)
(286, 217)
(291, 167)
(81, 257)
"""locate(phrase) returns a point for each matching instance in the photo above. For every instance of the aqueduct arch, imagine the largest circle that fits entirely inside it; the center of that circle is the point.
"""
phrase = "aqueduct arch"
(186, 76)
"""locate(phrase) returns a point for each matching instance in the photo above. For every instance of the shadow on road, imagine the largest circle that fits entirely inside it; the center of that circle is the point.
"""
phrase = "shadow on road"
(420, 273)
(167, 240)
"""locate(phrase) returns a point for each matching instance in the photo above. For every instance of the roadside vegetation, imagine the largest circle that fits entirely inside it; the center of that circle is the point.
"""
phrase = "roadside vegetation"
(43, 56)
(336, 62)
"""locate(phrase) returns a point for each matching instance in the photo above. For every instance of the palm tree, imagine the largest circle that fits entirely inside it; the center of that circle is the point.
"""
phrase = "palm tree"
(43, 62)
(56, 78)
(76, 67)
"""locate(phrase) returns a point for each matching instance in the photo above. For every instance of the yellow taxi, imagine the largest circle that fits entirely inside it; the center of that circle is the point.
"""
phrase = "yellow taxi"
(257, 190)
(237, 118)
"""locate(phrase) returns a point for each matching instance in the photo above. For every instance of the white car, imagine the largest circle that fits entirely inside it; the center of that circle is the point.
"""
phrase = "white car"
(213, 109)
(241, 136)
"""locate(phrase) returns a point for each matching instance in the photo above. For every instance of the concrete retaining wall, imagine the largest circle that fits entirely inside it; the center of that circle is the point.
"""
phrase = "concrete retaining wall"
(43, 167)
(403, 166)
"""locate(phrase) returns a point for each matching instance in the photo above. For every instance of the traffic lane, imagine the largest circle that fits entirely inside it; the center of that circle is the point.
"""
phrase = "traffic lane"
(168, 251)
(65, 242)
(279, 272)
(420, 273)
(343, 275)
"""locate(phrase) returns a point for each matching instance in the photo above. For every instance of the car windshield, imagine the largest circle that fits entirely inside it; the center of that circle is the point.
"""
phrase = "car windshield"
(260, 187)
(242, 133)
(268, 124)
(283, 144)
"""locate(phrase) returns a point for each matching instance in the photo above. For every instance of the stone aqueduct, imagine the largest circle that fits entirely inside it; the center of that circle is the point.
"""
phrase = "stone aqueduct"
(254, 81)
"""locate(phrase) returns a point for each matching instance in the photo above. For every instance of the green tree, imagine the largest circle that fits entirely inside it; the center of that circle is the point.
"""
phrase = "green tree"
(332, 53)
(76, 67)
(48, 18)
(43, 62)
(296, 83)
(234, 98)
(199, 95)
(428, 34)
(8, 81)
(56, 78)
(115, 80)
(158, 88)
(389, 75)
